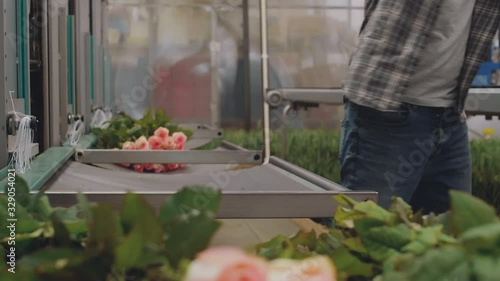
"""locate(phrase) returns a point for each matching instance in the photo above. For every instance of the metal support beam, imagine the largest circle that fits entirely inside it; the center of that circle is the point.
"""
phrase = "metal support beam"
(153, 44)
(97, 58)
(109, 156)
(8, 71)
(247, 85)
(55, 74)
(48, 124)
(4, 154)
(82, 27)
(215, 93)
(64, 87)
(88, 76)
(483, 101)
(258, 204)
(201, 131)
(305, 96)
(265, 79)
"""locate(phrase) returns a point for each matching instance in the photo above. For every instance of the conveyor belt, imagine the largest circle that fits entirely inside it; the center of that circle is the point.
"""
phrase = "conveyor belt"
(265, 191)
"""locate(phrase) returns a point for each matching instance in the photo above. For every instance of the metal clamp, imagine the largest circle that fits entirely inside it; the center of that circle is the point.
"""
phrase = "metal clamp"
(75, 117)
(95, 108)
(14, 121)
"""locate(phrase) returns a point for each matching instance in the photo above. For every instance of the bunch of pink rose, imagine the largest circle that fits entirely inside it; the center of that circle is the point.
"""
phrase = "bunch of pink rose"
(160, 140)
(233, 264)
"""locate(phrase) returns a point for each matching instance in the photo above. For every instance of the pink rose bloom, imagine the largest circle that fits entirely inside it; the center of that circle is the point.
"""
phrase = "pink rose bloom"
(128, 145)
(169, 143)
(155, 142)
(158, 168)
(318, 268)
(162, 133)
(180, 146)
(172, 166)
(227, 264)
(142, 143)
(139, 168)
(179, 137)
(148, 167)
(182, 166)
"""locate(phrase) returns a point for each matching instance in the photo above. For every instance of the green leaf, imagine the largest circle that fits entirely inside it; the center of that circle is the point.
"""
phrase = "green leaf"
(22, 221)
(84, 206)
(444, 220)
(279, 246)
(486, 268)
(190, 200)
(328, 242)
(447, 263)
(305, 239)
(61, 264)
(426, 239)
(23, 196)
(351, 265)
(41, 205)
(363, 225)
(62, 237)
(346, 218)
(485, 238)
(384, 241)
(128, 252)
(355, 244)
(73, 221)
(469, 212)
(104, 229)
(373, 211)
(345, 200)
(136, 212)
(189, 236)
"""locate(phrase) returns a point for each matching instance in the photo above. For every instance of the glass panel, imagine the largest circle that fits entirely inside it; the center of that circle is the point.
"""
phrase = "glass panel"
(310, 44)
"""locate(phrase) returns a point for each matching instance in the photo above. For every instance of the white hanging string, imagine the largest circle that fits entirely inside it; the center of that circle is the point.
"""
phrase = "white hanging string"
(109, 114)
(75, 132)
(21, 156)
(99, 119)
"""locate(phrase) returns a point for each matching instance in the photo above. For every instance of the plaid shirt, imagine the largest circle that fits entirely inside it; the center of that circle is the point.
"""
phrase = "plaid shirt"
(392, 36)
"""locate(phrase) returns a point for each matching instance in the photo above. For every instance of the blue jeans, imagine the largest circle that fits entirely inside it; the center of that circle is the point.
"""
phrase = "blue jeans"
(416, 153)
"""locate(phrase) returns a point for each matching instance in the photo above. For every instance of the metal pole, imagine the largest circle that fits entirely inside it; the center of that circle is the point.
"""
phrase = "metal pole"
(265, 79)
(153, 44)
(4, 154)
(246, 67)
(215, 103)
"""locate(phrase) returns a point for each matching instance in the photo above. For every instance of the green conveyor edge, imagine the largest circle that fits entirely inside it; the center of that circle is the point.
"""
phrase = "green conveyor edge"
(45, 165)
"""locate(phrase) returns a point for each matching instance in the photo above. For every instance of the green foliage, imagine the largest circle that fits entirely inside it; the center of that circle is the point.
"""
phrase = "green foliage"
(317, 151)
(486, 170)
(124, 128)
(90, 241)
(371, 243)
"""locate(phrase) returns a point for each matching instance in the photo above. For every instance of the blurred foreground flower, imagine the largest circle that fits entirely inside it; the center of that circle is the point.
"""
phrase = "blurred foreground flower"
(233, 264)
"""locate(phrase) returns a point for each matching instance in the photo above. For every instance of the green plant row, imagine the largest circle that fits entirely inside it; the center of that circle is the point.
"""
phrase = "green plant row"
(94, 242)
(371, 243)
(91, 241)
(317, 151)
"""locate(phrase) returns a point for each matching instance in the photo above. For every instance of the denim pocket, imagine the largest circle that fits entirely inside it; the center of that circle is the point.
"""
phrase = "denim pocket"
(374, 117)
